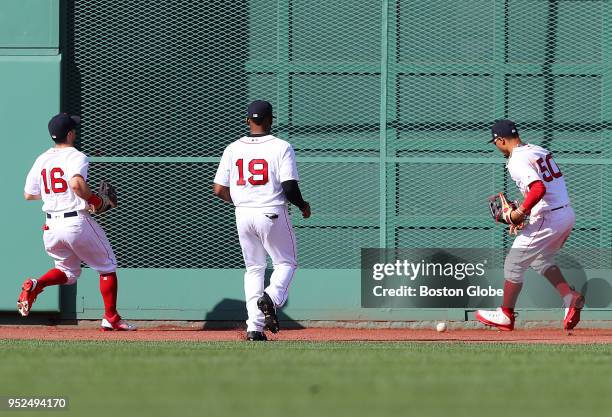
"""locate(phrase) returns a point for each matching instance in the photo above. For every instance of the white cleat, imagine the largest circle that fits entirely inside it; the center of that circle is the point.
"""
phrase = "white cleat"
(496, 318)
(121, 325)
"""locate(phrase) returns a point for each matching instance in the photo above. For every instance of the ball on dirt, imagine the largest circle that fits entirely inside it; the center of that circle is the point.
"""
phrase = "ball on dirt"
(441, 327)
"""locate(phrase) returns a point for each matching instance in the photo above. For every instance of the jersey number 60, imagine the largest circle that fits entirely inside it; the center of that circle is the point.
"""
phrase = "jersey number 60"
(258, 169)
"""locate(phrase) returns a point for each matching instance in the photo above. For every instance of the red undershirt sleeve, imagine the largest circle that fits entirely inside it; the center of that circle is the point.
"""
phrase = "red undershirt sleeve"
(537, 189)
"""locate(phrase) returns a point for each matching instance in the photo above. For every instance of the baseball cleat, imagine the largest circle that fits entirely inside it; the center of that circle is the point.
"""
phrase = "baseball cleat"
(572, 313)
(256, 337)
(496, 318)
(119, 325)
(29, 292)
(266, 305)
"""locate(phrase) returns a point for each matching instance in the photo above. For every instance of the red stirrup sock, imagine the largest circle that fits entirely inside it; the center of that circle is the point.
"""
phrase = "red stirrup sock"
(51, 277)
(108, 289)
(511, 293)
(556, 279)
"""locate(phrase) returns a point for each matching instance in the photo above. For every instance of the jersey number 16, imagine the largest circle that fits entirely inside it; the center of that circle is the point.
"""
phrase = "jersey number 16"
(258, 169)
(58, 184)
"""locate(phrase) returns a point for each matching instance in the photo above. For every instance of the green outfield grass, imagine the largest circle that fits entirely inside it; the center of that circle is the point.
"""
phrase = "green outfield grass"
(310, 379)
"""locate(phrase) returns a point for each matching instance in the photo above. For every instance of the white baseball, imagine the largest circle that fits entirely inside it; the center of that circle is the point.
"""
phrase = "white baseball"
(441, 327)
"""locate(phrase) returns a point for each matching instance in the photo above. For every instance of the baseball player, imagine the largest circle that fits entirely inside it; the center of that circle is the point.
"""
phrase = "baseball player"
(70, 235)
(551, 219)
(258, 174)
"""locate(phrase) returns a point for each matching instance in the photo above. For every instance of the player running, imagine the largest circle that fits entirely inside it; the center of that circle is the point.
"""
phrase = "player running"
(258, 174)
(71, 236)
(550, 223)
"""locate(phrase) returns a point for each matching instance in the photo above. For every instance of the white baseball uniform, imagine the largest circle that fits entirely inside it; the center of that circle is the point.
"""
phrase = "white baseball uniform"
(552, 218)
(253, 168)
(71, 235)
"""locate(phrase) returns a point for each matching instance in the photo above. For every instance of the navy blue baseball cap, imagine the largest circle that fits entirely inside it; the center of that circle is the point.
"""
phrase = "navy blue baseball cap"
(259, 109)
(61, 124)
(503, 129)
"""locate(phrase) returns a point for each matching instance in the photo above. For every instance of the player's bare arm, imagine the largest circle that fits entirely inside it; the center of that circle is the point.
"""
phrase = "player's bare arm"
(537, 189)
(80, 187)
(222, 192)
(103, 201)
(306, 212)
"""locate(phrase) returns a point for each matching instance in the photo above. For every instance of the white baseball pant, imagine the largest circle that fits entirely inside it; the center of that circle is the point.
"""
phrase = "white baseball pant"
(266, 230)
(70, 240)
(538, 243)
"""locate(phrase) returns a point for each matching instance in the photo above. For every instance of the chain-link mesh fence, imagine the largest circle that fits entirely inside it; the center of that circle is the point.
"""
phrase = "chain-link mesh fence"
(387, 103)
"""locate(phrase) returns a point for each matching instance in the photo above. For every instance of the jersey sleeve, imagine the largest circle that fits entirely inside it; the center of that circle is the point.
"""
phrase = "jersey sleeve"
(222, 177)
(288, 167)
(32, 185)
(523, 172)
(78, 165)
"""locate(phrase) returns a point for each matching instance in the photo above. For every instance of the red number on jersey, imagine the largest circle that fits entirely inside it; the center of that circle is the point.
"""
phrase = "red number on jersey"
(58, 184)
(258, 169)
(549, 168)
(240, 165)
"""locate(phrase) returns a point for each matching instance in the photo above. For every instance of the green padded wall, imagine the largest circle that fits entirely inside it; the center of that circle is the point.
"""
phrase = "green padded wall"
(387, 103)
(29, 95)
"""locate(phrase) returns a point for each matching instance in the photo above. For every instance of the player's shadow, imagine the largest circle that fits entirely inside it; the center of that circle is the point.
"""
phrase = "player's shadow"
(539, 293)
(231, 313)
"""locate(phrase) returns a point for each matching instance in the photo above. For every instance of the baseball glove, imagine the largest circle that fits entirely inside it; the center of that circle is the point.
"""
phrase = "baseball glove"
(108, 195)
(501, 208)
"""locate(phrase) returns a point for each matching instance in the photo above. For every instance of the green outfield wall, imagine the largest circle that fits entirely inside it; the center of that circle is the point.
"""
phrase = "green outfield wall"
(29, 92)
(388, 105)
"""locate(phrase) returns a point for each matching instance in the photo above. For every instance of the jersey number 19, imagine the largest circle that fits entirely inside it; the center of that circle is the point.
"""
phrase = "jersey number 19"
(258, 168)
